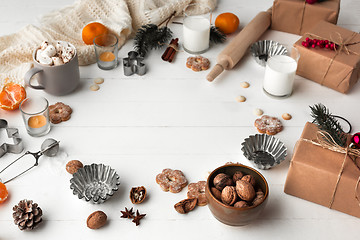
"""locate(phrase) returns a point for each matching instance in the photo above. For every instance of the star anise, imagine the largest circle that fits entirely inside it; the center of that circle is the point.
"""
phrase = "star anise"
(127, 213)
(138, 217)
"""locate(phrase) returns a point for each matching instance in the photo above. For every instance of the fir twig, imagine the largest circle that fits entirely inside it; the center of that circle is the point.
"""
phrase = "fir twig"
(216, 36)
(327, 122)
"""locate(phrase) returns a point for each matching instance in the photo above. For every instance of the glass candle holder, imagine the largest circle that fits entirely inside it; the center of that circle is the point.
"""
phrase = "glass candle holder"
(196, 29)
(35, 113)
(280, 74)
(106, 50)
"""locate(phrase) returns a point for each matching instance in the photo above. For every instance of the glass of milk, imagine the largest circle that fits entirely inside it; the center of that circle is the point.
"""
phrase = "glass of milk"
(280, 74)
(196, 29)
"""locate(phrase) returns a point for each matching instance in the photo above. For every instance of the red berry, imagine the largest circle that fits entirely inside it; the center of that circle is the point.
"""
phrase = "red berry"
(307, 39)
(326, 42)
(311, 1)
(332, 46)
(313, 46)
(327, 45)
(307, 45)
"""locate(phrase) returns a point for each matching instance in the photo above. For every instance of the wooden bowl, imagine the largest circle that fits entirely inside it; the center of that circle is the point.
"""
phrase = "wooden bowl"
(231, 215)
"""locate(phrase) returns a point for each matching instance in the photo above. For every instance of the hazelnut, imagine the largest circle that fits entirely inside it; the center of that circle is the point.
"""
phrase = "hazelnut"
(241, 204)
(73, 166)
(245, 190)
(228, 195)
(216, 193)
(185, 205)
(237, 176)
(96, 220)
(250, 179)
(222, 180)
(137, 194)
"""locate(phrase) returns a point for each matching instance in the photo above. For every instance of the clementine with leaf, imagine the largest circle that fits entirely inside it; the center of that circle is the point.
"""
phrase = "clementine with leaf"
(11, 96)
(92, 30)
(227, 22)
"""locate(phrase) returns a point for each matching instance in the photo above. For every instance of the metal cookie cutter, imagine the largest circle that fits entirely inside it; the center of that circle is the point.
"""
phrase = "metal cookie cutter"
(133, 64)
(49, 147)
(13, 133)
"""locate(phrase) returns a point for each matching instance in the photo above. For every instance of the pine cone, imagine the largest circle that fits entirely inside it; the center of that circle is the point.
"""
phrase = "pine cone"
(27, 215)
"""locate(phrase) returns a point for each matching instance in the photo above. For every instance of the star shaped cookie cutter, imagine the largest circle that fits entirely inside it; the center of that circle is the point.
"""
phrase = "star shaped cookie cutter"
(133, 64)
(13, 133)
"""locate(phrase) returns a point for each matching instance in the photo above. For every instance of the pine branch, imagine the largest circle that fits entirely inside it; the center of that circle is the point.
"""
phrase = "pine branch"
(327, 122)
(216, 36)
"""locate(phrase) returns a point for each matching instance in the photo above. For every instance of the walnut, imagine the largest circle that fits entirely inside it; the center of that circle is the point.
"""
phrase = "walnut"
(245, 190)
(185, 205)
(258, 199)
(241, 204)
(73, 166)
(237, 176)
(216, 193)
(222, 180)
(250, 179)
(96, 220)
(137, 194)
(228, 195)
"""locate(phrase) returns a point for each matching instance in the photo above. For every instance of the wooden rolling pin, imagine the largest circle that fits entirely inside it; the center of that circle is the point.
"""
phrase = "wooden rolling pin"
(237, 48)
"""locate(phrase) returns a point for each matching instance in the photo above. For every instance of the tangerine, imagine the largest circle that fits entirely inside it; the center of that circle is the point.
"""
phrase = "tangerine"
(227, 22)
(11, 96)
(91, 30)
(3, 192)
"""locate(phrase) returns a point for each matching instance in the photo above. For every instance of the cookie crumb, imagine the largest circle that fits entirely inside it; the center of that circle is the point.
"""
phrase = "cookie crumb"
(244, 84)
(286, 116)
(240, 99)
(99, 80)
(94, 87)
(258, 112)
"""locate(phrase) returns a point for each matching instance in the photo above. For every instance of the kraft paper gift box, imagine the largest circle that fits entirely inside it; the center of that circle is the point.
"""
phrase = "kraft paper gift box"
(337, 69)
(298, 17)
(314, 172)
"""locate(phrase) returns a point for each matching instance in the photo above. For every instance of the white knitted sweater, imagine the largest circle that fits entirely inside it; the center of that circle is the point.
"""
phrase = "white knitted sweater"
(120, 16)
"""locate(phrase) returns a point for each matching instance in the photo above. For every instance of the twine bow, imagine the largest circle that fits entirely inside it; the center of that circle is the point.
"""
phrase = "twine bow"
(325, 140)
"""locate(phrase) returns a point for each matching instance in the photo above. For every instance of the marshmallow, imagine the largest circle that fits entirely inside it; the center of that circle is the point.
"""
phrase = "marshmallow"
(57, 61)
(44, 45)
(49, 51)
(38, 54)
(61, 45)
(45, 60)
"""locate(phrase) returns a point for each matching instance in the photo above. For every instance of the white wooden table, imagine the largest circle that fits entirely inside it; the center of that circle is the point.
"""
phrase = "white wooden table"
(170, 118)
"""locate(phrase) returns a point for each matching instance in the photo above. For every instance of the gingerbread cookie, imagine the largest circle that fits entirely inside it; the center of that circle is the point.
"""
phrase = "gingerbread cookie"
(268, 125)
(198, 63)
(197, 190)
(59, 112)
(171, 180)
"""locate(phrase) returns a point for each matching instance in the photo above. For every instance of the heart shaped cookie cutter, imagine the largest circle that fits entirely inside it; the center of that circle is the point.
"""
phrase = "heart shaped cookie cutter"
(13, 133)
(133, 64)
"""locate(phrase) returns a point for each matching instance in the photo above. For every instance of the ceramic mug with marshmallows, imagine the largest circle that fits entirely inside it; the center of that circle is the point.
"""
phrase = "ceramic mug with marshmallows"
(58, 74)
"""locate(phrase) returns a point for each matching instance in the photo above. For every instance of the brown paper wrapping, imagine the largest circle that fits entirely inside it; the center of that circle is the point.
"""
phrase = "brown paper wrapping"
(339, 72)
(314, 171)
(298, 17)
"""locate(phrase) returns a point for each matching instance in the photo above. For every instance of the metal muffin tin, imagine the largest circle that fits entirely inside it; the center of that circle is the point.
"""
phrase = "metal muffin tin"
(263, 50)
(264, 151)
(95, 183)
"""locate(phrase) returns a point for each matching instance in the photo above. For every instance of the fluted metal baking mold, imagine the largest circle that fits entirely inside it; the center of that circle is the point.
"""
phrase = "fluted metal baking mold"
(264, 49)
(264, 151)
(95, 183)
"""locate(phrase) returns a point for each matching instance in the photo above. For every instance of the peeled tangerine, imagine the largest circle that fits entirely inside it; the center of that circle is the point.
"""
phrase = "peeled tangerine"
(11, 96)
(3, 192)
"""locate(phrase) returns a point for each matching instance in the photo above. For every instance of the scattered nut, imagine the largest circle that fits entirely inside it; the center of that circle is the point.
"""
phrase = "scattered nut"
(216, 193)
(94, 87)
(185, 205)
(258, 112)
(73, 166)
(98, 80)
(96, 220)
(286, 116)
(241, 204)
(245, 190)
(250, 179)
(228, 195)
(240, 99)
(222, 180)
(137, 194)
(244, 84)
(237, 176)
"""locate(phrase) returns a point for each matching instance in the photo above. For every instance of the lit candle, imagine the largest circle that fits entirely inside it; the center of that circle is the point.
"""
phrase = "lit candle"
(37, 121)
(107, 57)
